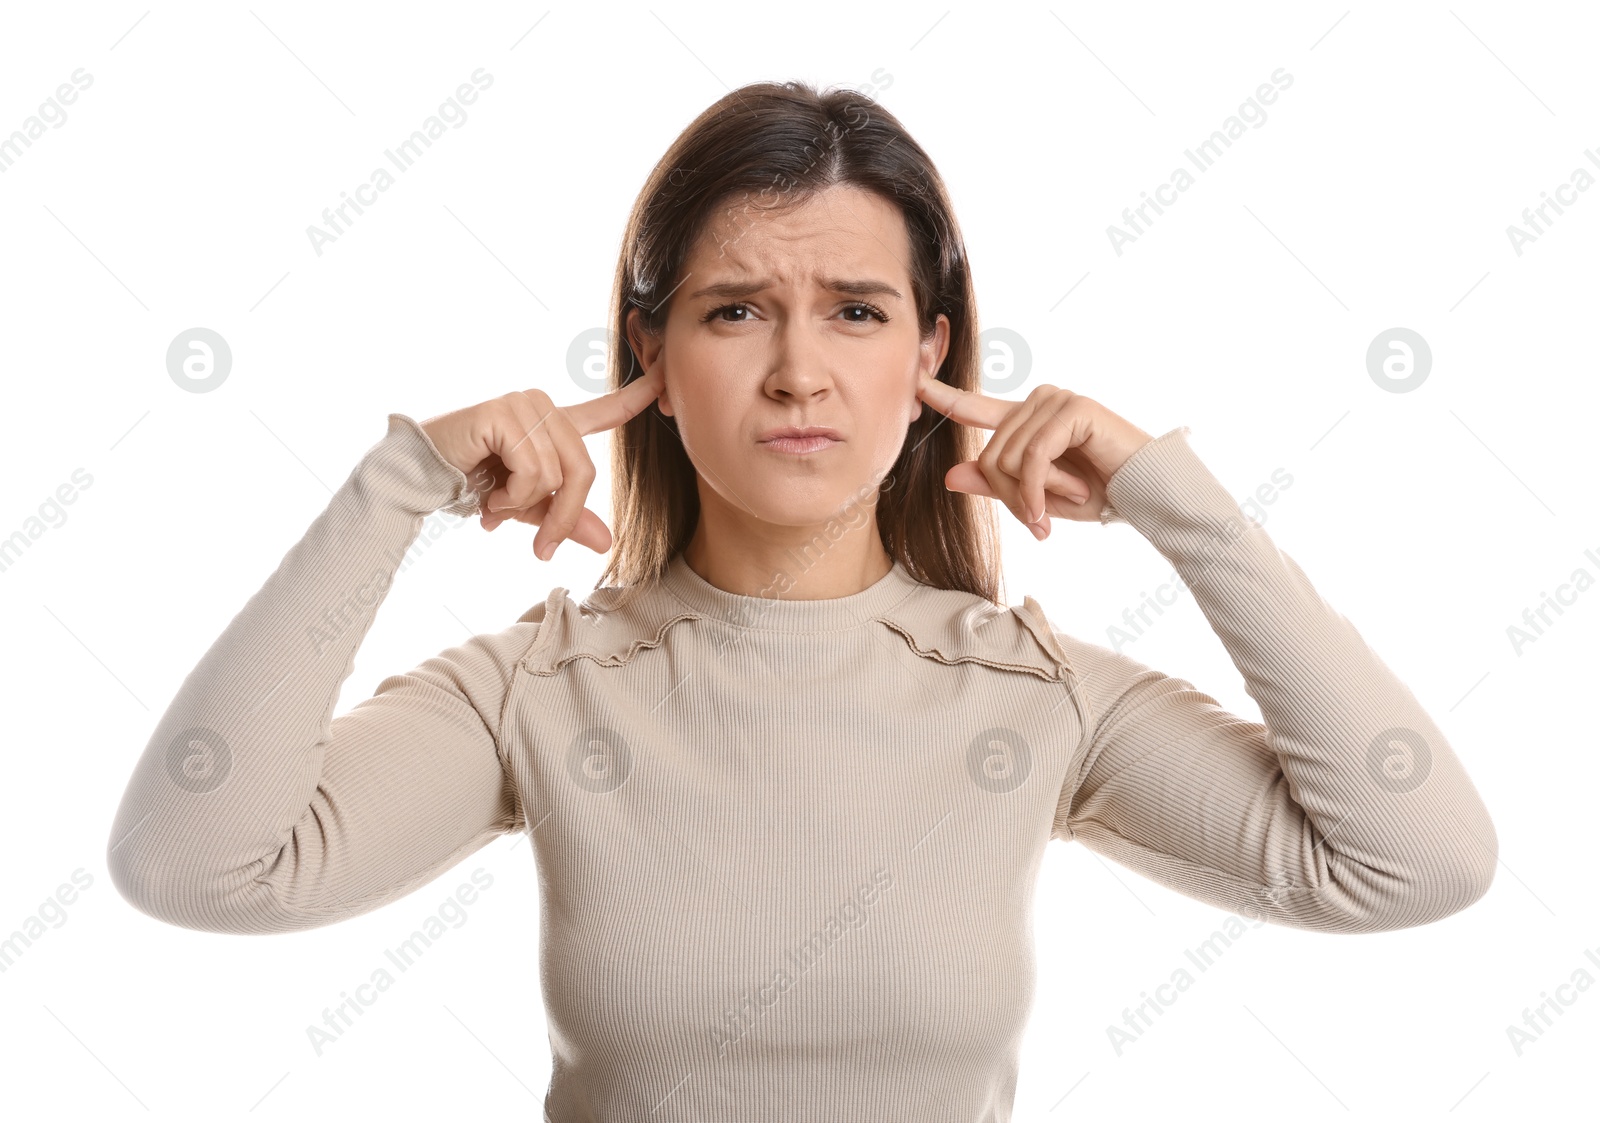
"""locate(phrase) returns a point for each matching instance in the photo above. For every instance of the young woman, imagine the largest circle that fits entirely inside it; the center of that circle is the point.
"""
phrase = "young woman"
(789, 778)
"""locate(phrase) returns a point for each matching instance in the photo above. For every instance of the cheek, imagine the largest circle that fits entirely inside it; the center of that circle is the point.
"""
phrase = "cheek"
(707, 411)
(883, 417)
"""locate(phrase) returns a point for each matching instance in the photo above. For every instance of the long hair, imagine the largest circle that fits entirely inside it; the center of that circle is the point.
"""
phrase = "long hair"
(770, 145)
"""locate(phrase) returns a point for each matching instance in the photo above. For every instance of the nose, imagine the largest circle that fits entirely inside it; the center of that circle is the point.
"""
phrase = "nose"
(800, 363)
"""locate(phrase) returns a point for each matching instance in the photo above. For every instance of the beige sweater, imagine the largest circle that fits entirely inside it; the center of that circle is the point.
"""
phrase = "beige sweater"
(787, 849)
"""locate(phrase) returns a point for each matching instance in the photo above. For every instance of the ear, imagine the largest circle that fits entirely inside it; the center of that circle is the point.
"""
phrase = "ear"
(646, 350)
(931, 353)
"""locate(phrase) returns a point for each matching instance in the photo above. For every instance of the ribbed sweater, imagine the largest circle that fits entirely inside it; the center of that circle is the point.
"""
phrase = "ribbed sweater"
(787, 849)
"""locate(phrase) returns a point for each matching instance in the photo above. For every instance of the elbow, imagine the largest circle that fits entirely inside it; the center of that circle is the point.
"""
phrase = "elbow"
(146, 883)
(124, 867)
(136, 885)
(1459, 870)
(164, 868)
(1463, 874)
(1442, 892)
(1448, 880)
(148, 865)
(186, 895)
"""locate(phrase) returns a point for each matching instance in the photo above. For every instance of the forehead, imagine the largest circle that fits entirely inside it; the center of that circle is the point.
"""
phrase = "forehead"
(840, 230)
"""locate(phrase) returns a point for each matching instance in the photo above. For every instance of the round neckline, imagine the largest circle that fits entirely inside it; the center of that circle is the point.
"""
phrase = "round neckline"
(778, 614)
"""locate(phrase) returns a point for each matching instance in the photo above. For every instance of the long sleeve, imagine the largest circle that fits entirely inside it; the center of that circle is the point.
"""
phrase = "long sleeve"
(252, 809)
(1347, 811)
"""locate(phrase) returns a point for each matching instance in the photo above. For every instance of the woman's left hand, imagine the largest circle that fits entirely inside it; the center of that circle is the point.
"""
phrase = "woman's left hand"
(1051, 454)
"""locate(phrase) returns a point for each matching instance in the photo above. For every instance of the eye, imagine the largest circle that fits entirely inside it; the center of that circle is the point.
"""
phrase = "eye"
(739, 306)
(715, 312)
(872, 309)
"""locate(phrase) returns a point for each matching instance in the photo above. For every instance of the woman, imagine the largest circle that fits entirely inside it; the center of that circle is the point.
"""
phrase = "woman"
(789, 779)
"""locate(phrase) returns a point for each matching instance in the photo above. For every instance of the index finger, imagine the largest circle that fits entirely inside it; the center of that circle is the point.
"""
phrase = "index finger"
(962, 405)
(610, 410)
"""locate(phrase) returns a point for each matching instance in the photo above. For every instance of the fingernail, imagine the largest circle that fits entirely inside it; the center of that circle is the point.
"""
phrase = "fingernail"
(1037, 533)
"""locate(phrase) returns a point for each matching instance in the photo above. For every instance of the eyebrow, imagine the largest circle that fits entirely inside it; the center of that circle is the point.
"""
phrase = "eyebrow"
(738, 289)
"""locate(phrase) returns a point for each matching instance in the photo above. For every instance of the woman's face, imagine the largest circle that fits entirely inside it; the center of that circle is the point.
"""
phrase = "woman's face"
(761, 336)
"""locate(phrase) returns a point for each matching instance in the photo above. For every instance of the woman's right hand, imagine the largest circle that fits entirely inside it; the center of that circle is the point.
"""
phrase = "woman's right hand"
(525, 457)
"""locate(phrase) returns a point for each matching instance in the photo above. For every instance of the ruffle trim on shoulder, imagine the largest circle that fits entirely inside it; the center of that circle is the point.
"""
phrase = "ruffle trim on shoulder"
(592, 630)
(955, 627)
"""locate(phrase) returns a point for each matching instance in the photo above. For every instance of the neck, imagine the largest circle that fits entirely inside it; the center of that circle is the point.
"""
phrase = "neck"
(791, 563)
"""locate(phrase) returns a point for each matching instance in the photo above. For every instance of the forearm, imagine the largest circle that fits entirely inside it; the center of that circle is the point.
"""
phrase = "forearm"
(1397, 832)
(238, 757)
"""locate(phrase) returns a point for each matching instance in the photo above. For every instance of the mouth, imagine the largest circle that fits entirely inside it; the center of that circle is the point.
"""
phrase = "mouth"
(814, 438)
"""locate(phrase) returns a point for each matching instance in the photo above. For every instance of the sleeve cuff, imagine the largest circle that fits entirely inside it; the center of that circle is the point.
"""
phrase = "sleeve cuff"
(1158, 457)
(431, 483)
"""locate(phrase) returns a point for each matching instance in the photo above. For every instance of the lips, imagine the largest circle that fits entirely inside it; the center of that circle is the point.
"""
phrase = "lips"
(790, 432)
(799, 444)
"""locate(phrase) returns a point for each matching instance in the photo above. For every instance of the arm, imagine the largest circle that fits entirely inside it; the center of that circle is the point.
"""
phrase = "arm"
(251, 809)
(1347, 811)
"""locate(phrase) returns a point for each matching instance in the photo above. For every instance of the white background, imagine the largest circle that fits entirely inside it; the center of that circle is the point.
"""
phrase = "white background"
(1377, 194)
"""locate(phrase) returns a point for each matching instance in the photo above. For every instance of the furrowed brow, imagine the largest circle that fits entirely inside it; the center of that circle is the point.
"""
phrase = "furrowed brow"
(736, 290)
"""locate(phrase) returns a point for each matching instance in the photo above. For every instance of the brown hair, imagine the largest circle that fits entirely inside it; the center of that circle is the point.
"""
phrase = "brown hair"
(783, 142)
